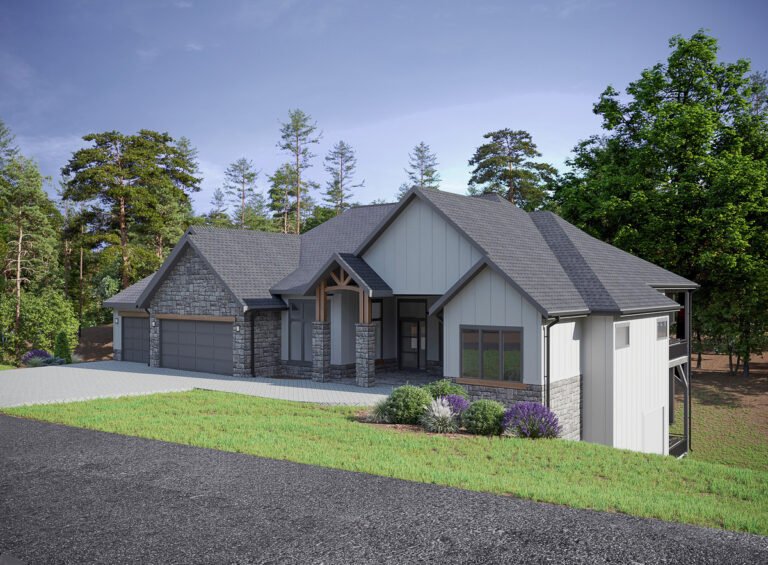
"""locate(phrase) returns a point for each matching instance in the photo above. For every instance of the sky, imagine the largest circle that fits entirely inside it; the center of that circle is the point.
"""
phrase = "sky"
(381, 76)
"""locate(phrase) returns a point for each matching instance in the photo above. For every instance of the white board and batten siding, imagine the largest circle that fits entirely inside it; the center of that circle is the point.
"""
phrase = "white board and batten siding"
(420, 253)
(489, 300)
(565, 349)
(117, 330)
(626, 387)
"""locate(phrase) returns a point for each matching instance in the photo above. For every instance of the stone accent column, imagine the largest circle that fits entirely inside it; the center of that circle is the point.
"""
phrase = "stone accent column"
(241, 347)
(154, 341)
(365, 354)
(321, 351)
(266, 344)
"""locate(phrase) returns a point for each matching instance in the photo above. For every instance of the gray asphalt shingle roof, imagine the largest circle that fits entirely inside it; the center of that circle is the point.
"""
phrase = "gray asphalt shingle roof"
(248, 262)
(560, 268)
(342, 234)
(127, 298)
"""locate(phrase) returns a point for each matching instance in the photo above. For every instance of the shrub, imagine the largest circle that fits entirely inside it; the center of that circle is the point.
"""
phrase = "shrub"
(445, 387)
(406, 404)
(532, 420)
(35, 357)
(457, 403)
(483, 417)
(61, 348)
(378, 413)
(438, 417)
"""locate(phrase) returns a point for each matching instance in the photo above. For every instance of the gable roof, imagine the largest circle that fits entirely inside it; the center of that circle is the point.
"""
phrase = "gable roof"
(245, 261)
(342, 234)
(559, 268)
(360, 271)
(128, 297)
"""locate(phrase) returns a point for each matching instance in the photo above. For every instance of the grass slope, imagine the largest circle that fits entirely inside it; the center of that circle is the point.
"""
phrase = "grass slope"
(570, 473)
(6, 367)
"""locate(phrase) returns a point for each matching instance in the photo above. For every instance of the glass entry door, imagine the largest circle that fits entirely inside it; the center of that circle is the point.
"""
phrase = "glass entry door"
(413, 344)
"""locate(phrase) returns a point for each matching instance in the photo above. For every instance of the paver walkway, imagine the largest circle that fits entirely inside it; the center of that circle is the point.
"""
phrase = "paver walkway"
(104, 379)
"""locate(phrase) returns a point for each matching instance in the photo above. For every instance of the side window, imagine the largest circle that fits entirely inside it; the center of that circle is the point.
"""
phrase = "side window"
(491, 353)
(662, 328)
(621, 338)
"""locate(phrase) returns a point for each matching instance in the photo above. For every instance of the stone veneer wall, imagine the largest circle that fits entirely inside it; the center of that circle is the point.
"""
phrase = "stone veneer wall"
(266, 343)
(295, 371)
(386, 365)
(117, 354)
(365, 354)
(565, 400)
(339, 372)
(192, 289)
(321, 351)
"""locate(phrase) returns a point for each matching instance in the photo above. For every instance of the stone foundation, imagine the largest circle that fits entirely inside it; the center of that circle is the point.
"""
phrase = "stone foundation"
(295, 371)
(365, 354)
(321, 351)
(339, 372)
(565, 400)
(434, 368)
(386, 366)
(117, 355)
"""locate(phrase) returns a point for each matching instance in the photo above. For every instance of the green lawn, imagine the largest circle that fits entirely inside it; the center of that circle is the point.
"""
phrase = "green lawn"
(730, 421)
(6, 367)
(571, 473)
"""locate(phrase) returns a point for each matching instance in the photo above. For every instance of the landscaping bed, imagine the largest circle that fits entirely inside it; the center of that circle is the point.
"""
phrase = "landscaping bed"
(563, 472)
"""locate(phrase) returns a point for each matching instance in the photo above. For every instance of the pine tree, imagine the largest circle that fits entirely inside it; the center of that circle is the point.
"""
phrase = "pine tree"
(297, 135)
(239, 187)
(281, 184)
(31, 249)
(422, 168)
(505, 165)
(218, 216)
(341, 164)
(128, 182)
(8, 148)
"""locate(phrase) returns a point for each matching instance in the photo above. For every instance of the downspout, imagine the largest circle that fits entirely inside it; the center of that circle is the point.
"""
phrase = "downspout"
(547, 335)
(150, 334)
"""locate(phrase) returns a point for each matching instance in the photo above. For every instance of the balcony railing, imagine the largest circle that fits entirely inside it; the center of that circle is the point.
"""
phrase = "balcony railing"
(678, 348)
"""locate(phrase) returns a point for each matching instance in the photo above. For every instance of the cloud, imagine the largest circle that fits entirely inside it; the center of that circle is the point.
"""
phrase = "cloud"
(147, 55)
(566, 8)
(193, 47)
(15, 73)
(182, 4)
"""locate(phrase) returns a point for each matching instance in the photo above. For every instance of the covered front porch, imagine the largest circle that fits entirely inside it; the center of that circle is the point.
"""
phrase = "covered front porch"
(363, 333)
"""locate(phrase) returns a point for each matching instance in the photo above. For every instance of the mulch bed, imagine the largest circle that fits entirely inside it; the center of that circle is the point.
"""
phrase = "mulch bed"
(95, 344)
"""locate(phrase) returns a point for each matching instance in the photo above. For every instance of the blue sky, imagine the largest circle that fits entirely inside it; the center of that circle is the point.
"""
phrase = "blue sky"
(380, 75)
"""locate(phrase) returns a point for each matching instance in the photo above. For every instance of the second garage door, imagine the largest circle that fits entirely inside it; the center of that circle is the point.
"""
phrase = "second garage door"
(196, 346)
(135, 339)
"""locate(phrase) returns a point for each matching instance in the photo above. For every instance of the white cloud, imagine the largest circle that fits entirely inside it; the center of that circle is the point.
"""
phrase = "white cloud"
(194, 47)
(183, 4)
(147, 55)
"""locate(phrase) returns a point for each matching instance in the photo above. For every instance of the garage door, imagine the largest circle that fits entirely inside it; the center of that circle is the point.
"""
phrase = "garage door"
(196, 346)
(136, 340)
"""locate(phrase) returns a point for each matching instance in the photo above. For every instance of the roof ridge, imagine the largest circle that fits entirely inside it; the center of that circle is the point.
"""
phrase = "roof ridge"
(575, 265)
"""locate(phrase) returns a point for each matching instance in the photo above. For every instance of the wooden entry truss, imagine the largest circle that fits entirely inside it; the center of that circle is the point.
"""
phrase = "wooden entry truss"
(341, 280)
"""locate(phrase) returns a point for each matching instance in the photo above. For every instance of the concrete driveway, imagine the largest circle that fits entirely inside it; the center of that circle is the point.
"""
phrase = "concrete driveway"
(105, 379)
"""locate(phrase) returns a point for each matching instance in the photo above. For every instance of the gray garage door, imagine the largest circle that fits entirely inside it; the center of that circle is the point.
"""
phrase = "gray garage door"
(196, 346)
(136, 340)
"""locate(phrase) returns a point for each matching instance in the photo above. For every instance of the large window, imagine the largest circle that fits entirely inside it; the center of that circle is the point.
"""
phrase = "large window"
(492, 353)
(301, 316)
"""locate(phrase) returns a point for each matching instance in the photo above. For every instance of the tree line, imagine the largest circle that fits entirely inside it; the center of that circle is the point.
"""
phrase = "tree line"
(677, 176)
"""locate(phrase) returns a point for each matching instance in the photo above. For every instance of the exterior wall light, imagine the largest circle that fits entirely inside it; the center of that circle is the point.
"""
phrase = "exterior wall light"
(117, 320)
(237, 328)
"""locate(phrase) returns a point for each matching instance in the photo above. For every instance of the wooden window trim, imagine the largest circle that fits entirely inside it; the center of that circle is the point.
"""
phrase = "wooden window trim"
(131, 314)
(490, 383)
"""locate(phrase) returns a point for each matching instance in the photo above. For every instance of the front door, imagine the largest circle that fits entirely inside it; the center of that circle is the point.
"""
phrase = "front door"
(413, 344)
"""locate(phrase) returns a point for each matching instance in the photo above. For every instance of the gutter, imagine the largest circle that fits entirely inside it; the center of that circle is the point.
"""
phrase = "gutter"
(547, 375)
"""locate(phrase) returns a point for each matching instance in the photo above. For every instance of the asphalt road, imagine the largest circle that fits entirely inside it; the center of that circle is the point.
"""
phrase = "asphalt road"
(78, 496)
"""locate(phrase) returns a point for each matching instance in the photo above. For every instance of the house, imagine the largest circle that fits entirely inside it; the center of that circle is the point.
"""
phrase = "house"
(513, 305)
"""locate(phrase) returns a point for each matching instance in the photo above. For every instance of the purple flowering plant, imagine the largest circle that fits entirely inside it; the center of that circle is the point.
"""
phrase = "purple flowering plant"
(531, 420)
(41, 354)
(457, 403)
